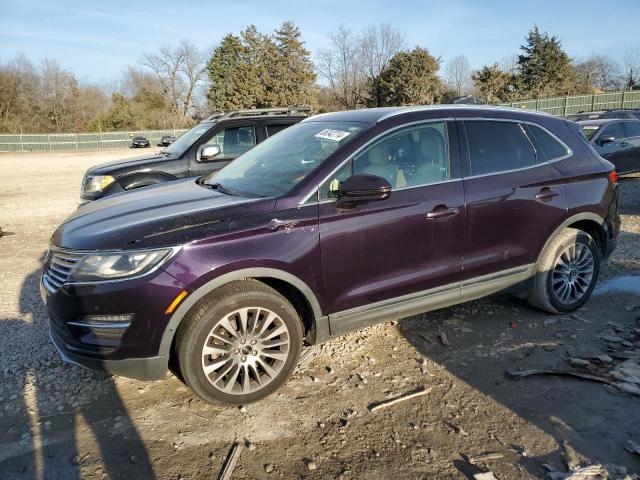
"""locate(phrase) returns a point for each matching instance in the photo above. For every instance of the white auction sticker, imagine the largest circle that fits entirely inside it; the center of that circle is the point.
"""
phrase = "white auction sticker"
(330, 134)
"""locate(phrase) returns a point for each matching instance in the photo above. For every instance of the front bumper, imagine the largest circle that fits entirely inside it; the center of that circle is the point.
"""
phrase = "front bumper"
(130, 349)
(151, 368)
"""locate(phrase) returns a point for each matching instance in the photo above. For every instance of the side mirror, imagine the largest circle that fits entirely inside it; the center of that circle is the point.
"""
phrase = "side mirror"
(362, 187)
(606, 139)
(208, 152)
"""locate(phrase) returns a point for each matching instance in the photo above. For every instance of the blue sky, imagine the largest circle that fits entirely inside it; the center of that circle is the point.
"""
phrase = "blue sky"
(96, 40)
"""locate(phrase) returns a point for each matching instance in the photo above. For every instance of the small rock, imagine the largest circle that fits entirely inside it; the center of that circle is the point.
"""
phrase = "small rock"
(444, 339)
(311, 465)
(604, 358)
(249, 445)
(579, 362)
(268, 468)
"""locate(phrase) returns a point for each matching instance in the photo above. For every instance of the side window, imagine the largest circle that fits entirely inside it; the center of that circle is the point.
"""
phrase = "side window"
(547, 147)
(633, 129)
(615, 129)
(497, 147)
(234, 141)
(277, 127)
(411, 157)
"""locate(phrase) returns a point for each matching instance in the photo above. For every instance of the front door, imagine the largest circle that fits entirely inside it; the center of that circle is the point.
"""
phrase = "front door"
(233, 139)
(408, 243)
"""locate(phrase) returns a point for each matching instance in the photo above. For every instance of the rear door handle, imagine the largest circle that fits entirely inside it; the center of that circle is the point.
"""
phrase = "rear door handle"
(442, 211)
(624, 144)
(546, 194)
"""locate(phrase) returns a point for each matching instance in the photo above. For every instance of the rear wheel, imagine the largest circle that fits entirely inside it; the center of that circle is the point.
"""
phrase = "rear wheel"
(239, 344)
(567, 272)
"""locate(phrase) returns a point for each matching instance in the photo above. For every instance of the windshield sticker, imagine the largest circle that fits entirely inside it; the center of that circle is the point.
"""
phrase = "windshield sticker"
(330, 134)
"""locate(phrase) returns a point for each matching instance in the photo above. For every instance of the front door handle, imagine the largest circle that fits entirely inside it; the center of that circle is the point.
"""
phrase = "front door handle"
(546, 194)
(624, 144)
(442, 211)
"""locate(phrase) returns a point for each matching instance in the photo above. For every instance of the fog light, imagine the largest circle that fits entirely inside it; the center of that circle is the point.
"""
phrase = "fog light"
(123, 318)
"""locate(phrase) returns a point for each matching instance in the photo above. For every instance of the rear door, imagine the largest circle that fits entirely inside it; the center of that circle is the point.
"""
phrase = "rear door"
(513, 193)
(408, 243)
(234, 138)
(630, 156)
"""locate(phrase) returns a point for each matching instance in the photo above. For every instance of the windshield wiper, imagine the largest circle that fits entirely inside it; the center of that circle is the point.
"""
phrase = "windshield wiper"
(222, 189)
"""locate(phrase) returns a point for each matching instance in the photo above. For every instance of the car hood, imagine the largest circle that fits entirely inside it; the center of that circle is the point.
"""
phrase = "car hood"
(159, 215)
(109, 167)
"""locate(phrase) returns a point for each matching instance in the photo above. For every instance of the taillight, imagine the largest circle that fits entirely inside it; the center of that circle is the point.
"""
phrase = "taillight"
(613, 177)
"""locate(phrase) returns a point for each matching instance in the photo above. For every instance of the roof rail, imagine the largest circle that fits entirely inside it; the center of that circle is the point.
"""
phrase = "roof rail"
(253, 112)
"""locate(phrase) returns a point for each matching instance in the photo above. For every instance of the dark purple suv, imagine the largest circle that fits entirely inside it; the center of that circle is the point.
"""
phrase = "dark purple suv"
(341, 221)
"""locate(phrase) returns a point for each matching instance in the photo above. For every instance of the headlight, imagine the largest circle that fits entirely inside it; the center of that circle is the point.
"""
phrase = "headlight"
(96, 267)
(97, 183)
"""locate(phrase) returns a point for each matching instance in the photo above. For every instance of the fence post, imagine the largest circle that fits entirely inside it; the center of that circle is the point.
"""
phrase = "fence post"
(566, 104)
(537, 102)
(622, 101)
(101, 140)
(593, 99)
(21, 140)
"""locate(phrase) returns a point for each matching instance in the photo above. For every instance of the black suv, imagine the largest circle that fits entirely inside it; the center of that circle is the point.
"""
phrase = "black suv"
(204, 149)
(630, 114)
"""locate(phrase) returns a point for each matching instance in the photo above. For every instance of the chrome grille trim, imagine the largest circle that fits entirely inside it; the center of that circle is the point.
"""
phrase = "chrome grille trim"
(57, 267)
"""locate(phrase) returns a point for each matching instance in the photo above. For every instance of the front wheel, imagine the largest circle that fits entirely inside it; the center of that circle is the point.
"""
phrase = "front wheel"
(239, 344)
(567, 272)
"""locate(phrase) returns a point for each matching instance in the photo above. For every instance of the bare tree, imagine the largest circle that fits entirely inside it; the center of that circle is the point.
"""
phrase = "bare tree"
(600, 72)
(376, 47)
(179, 70)
(354, 62)
(509, 63)
(458, 75)
(341, 66)
(632, 70)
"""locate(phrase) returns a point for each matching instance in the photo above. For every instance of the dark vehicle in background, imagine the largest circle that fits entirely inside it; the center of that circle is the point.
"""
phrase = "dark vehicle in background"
(205, 148)
(580, 116)
(629, 114)
(140, 142)
(616, 140)
(341, 221)
(166, 140)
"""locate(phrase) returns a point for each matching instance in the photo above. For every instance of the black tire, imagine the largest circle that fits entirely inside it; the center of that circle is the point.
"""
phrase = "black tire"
(542, 294)
(196, 328)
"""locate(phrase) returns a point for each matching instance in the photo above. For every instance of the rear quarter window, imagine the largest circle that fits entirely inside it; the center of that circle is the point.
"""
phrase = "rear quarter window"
(496, 146)
(633, 129)
(547, 147)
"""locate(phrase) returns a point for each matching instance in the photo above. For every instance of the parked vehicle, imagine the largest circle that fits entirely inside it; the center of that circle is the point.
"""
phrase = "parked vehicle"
(205, 148)
(629, 114)
(616, 140)
(140, 142)
(341, 221)
(578, 117)
(166, 140)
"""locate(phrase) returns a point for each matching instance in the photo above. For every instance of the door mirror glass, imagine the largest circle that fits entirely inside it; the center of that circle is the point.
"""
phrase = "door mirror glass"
(362, 187)
(209, 152)
(604, 139)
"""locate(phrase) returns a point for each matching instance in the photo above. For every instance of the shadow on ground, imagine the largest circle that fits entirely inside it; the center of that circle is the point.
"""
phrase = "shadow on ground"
(56, 412)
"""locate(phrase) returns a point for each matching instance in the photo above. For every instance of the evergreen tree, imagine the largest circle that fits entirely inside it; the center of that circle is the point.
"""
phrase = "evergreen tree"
(495, 85)
(411, 79)
(544, 67)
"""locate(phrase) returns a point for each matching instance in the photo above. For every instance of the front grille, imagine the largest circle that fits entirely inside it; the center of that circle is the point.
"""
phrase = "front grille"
(57, 267)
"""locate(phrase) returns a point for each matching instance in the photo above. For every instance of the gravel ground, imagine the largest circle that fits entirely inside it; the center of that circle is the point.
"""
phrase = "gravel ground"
(60, 421)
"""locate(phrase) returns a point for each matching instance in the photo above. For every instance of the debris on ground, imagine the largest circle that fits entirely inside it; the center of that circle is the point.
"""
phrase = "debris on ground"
(374, 407)
(484, 476)
(230, 462)
(444, 339)
(595, 472)
(306, 357)
(485, 457)
(566, 373)
(632, 446)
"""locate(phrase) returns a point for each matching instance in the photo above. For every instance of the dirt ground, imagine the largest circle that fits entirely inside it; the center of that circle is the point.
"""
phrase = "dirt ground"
(59, 421)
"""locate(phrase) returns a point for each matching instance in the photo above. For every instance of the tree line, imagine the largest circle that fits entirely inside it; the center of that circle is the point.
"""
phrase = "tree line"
(176, 85)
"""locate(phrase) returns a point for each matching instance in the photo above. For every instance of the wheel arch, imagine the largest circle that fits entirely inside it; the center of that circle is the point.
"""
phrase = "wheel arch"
(301, 296)
(588, 222)
(143, 179)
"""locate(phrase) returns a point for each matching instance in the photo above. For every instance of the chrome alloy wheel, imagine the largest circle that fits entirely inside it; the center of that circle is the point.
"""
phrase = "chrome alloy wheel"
(573, 273)
(245, 350)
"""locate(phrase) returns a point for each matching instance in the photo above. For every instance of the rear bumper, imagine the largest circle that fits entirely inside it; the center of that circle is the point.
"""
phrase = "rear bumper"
(151, 368)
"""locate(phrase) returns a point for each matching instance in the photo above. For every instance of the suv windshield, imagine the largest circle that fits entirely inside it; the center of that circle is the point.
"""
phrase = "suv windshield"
(184, 141)
(275, 166)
